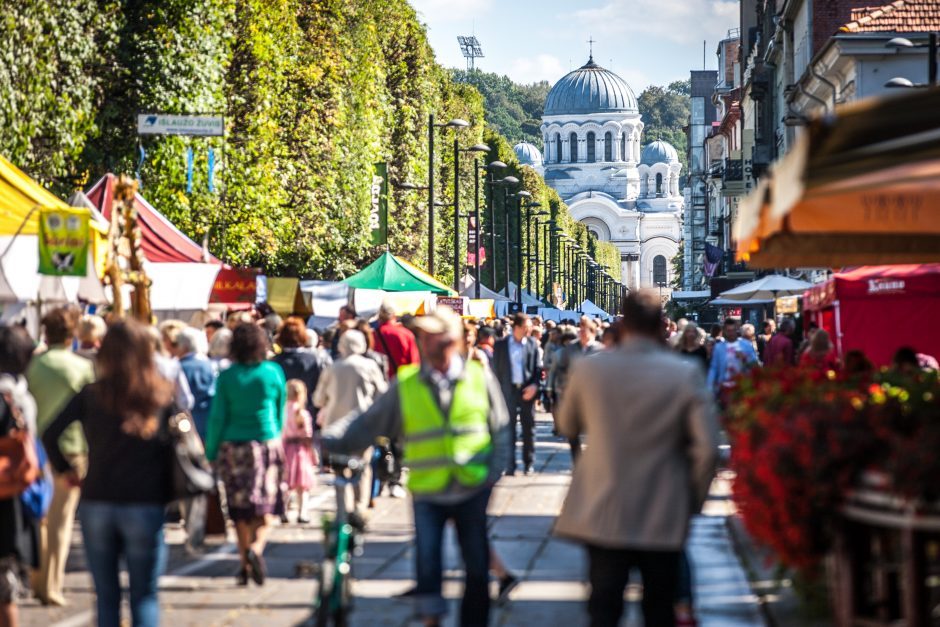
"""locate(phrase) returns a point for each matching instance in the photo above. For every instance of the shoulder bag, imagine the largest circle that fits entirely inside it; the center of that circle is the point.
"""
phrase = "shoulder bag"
(19, 465)
(191, 472)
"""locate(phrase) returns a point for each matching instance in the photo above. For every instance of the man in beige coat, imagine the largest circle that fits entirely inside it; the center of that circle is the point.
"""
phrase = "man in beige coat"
(652, 440)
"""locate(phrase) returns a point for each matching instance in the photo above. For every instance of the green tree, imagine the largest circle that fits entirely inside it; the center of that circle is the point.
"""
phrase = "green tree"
(665, 113)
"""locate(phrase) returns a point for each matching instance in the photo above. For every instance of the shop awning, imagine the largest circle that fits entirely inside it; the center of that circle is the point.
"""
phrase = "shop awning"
(860, 186)
(393, 274)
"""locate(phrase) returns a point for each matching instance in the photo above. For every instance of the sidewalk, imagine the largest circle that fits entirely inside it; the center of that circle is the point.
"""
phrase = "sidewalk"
(202, 590)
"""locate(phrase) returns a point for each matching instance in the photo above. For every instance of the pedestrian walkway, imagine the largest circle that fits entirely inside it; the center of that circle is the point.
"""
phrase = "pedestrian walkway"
(202, 591)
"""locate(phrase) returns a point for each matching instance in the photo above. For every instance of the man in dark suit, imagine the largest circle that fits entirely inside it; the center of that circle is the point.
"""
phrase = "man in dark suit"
(516, 365)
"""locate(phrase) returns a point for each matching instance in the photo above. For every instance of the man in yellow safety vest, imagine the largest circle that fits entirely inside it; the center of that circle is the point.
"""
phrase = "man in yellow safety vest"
(453, 422)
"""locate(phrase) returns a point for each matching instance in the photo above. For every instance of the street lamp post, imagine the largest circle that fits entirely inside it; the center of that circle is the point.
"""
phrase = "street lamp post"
(537, 258)
(519, 196)
(529, 206)
(491, 169)
(506, 182)
(899, 43)
(478, 148)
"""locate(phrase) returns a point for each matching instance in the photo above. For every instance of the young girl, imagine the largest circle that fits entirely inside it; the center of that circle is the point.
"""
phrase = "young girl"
(300, 468)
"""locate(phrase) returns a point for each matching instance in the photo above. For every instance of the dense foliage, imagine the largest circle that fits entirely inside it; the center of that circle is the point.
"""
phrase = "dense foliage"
(512, 110)
(314, 92)
(665, 112)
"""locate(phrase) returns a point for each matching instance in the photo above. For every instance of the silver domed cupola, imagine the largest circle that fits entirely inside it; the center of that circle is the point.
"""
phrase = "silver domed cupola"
(590, 89)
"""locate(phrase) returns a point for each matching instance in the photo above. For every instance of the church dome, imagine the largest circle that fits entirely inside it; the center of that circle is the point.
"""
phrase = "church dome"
(528, 154)
(590, 89)
(658, 152)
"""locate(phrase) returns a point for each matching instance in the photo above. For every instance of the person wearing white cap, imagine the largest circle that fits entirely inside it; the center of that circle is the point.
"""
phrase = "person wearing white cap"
(454, 423)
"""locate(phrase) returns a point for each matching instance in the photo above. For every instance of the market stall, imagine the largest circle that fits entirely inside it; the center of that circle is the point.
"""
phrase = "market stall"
(878, 309)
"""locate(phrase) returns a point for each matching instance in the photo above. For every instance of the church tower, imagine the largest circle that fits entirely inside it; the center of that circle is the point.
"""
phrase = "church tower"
(624, 193)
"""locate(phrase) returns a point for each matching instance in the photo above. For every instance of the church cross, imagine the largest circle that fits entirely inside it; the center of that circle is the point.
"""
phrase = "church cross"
(591, 43)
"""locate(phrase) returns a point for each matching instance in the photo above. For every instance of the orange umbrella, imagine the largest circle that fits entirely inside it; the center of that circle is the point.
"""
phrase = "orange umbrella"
(859, 187)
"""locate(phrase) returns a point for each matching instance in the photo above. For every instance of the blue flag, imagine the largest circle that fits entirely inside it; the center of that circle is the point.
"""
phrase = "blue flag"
(189, 170)
(140, 165)
(211, 171)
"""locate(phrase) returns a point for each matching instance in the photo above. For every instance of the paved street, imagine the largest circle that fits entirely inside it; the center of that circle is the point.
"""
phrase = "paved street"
(201, 590)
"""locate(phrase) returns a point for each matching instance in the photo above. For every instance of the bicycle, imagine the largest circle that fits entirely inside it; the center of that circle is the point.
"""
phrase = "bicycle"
(342, 539)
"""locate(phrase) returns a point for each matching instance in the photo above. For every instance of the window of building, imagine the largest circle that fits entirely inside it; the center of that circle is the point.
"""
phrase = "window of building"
(573, 147)
(623, 147)
(698, 111)
(608, 146)
(659, 184)
(659, 270)
(591, 147)
(558, 151)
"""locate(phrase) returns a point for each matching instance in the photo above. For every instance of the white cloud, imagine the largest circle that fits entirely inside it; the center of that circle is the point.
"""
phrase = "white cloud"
(679, 21)
(542, 67)
(442, 11)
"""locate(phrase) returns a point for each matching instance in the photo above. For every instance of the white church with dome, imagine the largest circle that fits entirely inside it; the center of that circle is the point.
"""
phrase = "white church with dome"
(625, 193)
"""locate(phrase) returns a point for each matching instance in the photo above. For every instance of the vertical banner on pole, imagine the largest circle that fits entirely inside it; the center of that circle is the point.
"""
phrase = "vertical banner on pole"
(211, 171)
(189, 170)
(378, 211)
(474, 247)
(63, 242)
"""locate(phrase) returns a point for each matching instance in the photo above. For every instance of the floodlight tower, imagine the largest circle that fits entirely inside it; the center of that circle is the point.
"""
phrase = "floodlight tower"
(470, 47)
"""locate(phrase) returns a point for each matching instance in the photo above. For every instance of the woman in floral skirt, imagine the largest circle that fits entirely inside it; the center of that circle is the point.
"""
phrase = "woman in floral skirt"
(243, 439)
(300, 463)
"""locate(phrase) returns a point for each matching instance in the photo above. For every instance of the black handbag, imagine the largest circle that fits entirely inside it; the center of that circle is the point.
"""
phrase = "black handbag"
(191, 473)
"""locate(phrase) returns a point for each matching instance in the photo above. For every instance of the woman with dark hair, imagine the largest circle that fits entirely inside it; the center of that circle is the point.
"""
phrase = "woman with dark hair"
(19, 533)
(127, 485)
(244, 441)
(296, 361)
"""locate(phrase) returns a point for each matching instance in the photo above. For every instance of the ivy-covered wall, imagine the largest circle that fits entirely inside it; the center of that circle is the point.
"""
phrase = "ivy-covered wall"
(313, 93)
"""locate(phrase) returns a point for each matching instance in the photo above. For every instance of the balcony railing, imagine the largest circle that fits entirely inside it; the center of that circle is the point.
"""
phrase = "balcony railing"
(734, 170)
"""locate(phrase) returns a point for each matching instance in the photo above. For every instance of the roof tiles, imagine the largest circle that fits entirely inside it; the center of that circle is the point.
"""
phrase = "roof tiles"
(900, 16)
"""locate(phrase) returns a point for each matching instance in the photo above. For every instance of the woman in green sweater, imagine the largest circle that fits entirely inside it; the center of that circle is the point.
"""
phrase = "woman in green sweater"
(243, 439)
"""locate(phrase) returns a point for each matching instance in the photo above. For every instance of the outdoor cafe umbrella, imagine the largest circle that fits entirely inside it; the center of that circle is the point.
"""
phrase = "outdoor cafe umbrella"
(860, 186)
(766, 289)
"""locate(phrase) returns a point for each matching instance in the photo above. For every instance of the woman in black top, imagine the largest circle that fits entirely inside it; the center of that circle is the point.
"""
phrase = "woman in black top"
(127, 487)
(19, 533)
(690, 345)
(296, 360)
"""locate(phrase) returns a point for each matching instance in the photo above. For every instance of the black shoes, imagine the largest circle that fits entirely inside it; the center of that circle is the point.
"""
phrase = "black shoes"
(529, 471)
(258, 569)
(241, 579)
(506, 585)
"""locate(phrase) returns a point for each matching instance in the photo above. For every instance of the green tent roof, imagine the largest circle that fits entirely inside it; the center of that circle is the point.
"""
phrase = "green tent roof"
(391, 274)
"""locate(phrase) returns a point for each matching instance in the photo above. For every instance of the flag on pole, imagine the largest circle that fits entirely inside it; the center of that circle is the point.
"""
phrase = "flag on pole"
(211, 171)
(189, 170)
(472, 248)
(713, 257)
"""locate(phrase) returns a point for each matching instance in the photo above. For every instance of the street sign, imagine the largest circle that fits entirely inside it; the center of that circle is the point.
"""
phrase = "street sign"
(456, 304)
(378, 208)
(165, 124)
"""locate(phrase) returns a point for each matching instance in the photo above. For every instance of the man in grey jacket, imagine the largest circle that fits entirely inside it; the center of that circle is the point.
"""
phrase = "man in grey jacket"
(652, 442)
(586, 346)
(442, 400)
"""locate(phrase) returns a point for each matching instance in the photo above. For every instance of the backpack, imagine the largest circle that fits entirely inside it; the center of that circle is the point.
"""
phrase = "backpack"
(37, 497)
(19, 467)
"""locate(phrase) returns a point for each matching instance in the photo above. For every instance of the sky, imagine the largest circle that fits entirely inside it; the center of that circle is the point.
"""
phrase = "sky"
(646, 42)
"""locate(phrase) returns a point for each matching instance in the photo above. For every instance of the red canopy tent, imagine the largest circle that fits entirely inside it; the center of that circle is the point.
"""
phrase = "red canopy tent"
(164, 243)
(878, 309)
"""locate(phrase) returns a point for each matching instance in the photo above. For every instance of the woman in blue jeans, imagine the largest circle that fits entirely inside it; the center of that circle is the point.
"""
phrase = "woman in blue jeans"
(128, 482)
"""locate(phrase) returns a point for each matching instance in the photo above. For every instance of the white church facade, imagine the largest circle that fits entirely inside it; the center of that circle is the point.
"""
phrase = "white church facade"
(625, 193)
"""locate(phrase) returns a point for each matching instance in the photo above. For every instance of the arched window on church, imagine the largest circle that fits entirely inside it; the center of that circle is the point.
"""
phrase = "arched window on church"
(659, 270)
(558, 151)
(608, 146)
(591, 147)
(573, 147)
(623, 147)
(659, 185)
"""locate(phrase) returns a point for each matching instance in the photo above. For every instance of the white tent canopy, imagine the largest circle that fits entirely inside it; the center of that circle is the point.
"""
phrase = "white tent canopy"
(767, 288)
(326, 299)
(527, 297)
(590, 309)
(181, 287)
(467, 289)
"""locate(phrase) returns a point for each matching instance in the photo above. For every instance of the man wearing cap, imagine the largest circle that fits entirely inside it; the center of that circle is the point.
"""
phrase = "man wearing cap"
(454, 424)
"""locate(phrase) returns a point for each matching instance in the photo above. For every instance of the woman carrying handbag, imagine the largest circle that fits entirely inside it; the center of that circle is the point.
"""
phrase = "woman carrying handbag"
(19, 532)
(125, 414)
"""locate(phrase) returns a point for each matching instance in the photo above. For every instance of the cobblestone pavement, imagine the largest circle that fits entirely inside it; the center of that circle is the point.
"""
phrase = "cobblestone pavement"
(201, 590)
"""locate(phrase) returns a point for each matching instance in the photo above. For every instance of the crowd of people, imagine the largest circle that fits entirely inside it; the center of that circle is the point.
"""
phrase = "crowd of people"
(451, 399)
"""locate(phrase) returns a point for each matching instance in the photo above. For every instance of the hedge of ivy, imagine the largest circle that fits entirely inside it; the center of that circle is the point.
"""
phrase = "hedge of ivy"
(313, 92)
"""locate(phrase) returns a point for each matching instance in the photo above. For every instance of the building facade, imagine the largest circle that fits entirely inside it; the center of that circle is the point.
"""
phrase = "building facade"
(702, 119)
(625, 193)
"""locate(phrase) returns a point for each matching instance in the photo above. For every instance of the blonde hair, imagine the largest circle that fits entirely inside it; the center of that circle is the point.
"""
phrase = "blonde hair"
(297, 392)
(91, 329)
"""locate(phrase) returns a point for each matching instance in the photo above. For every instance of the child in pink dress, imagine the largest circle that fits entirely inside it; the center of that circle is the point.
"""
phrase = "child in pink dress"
(300, 464)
